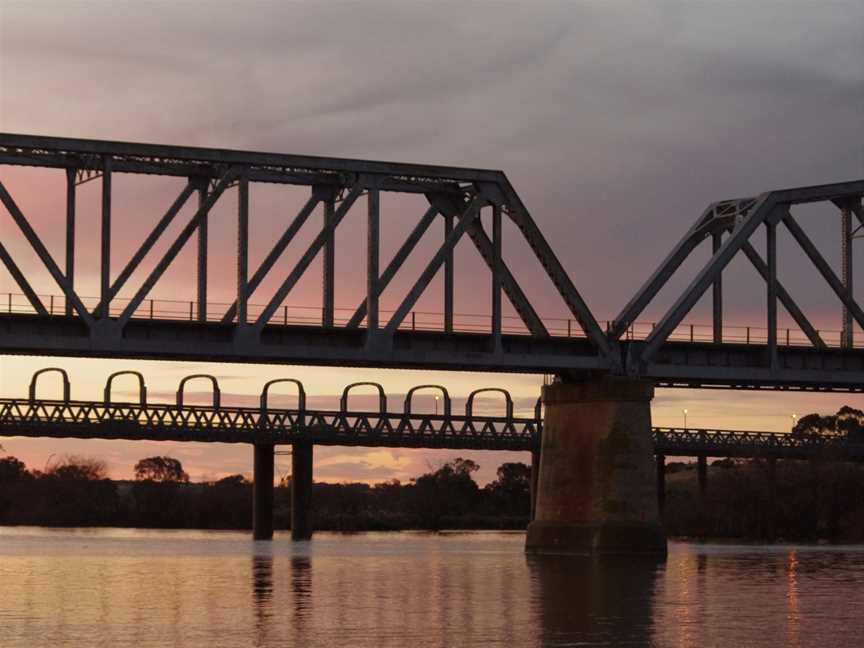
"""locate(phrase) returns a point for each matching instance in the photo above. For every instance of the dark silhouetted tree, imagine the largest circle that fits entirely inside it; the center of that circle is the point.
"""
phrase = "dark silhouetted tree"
(76, 468)
(511, 492)
(12, 469)
(160, 469)
(448, 492)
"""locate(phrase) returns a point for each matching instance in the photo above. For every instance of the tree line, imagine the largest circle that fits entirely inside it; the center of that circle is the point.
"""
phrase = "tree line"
(76, 492)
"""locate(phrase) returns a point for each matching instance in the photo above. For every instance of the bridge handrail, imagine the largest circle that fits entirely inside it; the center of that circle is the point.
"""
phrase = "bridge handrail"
(142, 387)
(382, 396)
(66, 385)
(469, 404)
(217, 394)
(442, 389)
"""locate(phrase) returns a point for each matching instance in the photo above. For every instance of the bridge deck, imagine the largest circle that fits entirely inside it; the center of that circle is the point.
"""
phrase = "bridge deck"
(96, 420)
(677, 363)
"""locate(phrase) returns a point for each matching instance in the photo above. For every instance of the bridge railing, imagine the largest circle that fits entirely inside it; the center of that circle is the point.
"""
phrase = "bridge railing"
(247, 424)
(421, 320)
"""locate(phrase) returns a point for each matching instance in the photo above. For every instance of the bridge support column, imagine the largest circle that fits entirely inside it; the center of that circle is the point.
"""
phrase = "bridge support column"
(702, 474)
(661, 482)
(301, 490)
(262, 492)
(535, 474)
(596, 492)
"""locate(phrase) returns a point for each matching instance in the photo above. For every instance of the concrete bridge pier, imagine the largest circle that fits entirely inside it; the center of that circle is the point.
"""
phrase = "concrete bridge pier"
(597, 492)
(262, 492)
(535, 474)
(301, 490)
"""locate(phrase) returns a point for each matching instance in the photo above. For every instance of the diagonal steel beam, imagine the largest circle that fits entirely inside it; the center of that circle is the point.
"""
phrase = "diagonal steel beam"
(662, 274)
(175, 248)
(148, 243)
(44, 255)
(519, 214)
(784, 297)
(824, 268)
(283, 242)
(511, 287)
(22, 282)
(396, 263)
(763, 208)
(313, 249)
(468, 216)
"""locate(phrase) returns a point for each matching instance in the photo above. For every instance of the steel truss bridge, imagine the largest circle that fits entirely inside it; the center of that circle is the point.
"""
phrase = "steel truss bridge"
(180, 421)
(257, 327)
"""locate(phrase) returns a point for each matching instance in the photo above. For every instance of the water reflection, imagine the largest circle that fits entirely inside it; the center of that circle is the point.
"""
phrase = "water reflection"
(793, 614)
(301, 584)
(262, 596)
(604, 601)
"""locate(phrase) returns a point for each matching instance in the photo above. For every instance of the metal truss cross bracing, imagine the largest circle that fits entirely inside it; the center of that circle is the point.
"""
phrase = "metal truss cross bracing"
(345, 426)
(203, 424)
(127, 320)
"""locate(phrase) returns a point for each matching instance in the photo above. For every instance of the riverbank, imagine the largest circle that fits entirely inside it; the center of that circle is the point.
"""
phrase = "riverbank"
(807, 502)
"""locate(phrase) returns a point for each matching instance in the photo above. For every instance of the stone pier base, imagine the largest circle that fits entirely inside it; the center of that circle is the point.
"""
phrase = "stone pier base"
(596, 491)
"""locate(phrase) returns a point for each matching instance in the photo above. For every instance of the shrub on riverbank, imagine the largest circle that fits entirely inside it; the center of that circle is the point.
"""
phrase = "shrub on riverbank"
(807, 501)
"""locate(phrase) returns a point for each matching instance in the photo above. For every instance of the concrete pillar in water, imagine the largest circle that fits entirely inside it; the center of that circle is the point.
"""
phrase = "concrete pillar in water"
(535, 474)
(262, 492)
(301, 490)
(597, 492)
(661, 482)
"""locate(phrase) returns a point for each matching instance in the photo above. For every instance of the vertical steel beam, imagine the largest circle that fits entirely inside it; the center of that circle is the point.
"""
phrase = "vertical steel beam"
(772, 292)
(396, 262)
(105, 270)
(448, 277)
(496, 277)
(846, 262)
(202, 256)
(311, 252)
(372, 254)
(262, 492)
(465, 220)
(716, 244)
(328, 297)
(273, 256)
(301, 490)
(70, 235)
(242, 248)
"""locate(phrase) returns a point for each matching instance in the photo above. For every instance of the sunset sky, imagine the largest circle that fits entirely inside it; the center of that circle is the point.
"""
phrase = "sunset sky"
(617, 123)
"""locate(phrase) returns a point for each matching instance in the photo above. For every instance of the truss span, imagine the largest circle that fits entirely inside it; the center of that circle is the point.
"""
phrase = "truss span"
(121, 321)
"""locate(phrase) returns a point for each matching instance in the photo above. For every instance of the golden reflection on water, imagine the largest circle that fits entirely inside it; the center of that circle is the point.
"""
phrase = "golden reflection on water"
(207, 590)
(793, 616)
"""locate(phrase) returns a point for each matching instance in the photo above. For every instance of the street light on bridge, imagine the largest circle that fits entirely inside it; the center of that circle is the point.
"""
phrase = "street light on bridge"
(684, 411)
(794, 420)
(436, 405)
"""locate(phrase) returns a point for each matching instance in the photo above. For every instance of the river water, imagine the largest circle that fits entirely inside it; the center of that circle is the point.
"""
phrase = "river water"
(121, 587)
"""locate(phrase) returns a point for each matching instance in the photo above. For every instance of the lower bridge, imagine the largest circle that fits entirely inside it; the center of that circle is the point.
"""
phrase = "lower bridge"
(266, 427)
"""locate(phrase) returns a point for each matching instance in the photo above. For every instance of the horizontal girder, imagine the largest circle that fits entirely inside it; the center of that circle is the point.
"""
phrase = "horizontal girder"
(158, 422)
